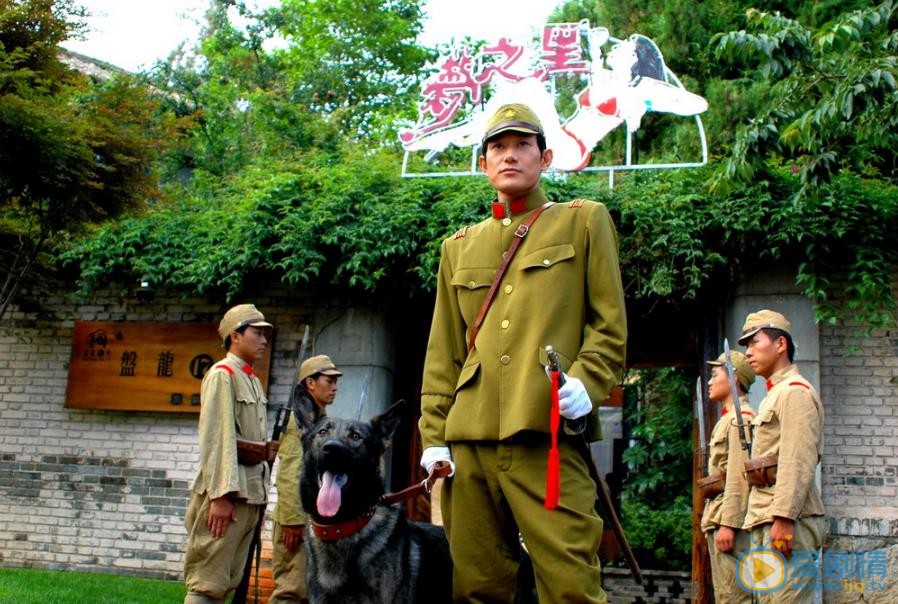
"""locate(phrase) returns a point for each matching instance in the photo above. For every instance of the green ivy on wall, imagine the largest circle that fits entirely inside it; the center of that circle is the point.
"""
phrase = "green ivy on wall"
(355, 223)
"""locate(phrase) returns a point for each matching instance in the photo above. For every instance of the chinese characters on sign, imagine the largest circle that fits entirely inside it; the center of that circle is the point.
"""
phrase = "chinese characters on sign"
(622, 81)
(143, 366)
(129, 363)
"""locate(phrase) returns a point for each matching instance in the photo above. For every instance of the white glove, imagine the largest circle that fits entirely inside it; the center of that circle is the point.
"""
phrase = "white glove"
(573, 400)
(432, 455)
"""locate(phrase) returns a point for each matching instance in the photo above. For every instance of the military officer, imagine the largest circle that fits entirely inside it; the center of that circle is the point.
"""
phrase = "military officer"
(485, 398)
(785, 511)
(317, 381)
(229, 490)
(725, 512)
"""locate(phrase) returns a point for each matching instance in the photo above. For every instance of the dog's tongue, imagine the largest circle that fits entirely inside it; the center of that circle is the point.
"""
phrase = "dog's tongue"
(329, 494)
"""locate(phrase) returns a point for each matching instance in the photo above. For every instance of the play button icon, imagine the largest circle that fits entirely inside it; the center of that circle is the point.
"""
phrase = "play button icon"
(761, 571)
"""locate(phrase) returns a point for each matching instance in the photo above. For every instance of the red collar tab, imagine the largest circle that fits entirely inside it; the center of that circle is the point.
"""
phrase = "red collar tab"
(726, 410)
(516, 206)
(335, 532)
(770, 385)
(248, 370)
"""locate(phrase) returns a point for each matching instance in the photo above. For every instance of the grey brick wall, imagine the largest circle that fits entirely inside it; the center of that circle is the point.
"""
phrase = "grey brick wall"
(106, 491)
(859, 386)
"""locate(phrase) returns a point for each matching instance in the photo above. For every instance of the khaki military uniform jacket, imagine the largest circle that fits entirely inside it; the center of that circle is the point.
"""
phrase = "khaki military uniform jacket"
(562, 288)
(288, 511)
(725, 454)
(789, 424)
(232, 404)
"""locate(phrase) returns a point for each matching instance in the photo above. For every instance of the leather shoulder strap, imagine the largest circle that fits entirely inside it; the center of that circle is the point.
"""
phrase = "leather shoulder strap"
(519, 235)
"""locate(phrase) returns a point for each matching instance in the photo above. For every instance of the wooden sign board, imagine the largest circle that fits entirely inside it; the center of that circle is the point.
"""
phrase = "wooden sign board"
(144, 366)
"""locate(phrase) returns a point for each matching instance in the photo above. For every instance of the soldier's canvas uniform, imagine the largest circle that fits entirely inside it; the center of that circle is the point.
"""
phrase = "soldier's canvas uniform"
(288, 568)
(726, 456)
(491, 405)
(789, 424)
(233, 404)
(728, 508)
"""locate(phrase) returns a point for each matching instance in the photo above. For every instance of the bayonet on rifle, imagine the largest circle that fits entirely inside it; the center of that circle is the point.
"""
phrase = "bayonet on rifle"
(700, 416)
(734, 391)
(283, 413)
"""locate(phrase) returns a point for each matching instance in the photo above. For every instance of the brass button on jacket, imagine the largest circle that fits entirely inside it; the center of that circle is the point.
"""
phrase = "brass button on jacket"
(480, 394)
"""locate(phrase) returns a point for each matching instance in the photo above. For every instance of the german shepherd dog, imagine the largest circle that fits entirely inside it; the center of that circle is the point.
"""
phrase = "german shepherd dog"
(361, 551)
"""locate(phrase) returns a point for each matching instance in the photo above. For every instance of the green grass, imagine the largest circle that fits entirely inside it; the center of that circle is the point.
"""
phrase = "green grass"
(30, 586)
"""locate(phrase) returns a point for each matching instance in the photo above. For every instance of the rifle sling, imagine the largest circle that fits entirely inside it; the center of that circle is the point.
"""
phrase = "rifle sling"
(519, 235)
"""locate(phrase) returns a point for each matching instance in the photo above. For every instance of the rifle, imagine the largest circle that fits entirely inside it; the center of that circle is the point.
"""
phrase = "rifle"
(280, 424)
(575, 429)
(731, 371)
(700, 415)
(708, 486)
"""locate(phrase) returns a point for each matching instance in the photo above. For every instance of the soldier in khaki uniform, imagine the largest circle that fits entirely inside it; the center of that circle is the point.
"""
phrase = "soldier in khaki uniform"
(487, 409)
(317, 381)
(227, 494)
(785, 511)
(725, 513)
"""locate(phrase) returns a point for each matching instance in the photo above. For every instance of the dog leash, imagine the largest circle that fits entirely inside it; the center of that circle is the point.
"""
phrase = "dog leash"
(441, 469)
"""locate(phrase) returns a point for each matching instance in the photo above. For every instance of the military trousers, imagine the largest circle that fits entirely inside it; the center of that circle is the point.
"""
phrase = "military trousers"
(214, 567)
(723, 568)
(810, 533)
(498, 492)
(288, 569)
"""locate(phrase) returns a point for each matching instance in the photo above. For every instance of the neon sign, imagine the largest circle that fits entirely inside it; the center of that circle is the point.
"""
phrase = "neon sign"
(623, 81)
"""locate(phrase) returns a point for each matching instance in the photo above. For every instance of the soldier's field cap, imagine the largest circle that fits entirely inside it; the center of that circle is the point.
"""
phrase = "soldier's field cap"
(515, 117)
(319, 364)
(763, 319)
(744, 373)
(239, 316)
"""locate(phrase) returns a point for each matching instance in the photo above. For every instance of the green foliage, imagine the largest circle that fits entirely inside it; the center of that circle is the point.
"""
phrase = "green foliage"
(281, 188)
(354, 59)
(832, 99)
(355, 223)
(71, 152)
(341, 71)
(658, 408)
(660, 535)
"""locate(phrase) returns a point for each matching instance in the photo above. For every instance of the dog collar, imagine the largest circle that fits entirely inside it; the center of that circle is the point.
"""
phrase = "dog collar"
(335, 532)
